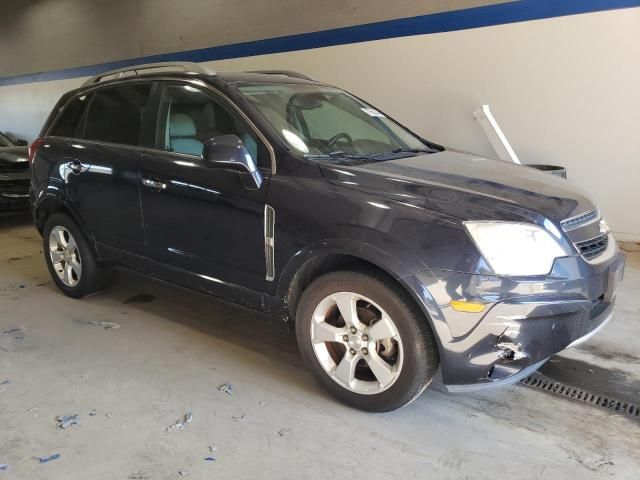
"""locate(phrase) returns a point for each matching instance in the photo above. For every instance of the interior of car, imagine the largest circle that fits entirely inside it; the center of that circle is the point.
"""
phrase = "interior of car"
(189, 117)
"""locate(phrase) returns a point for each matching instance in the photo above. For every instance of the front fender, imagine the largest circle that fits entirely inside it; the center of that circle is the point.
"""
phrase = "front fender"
(395, 266)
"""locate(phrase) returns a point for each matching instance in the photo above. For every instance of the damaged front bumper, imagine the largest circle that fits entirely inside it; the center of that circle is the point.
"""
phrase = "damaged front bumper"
(523, 322)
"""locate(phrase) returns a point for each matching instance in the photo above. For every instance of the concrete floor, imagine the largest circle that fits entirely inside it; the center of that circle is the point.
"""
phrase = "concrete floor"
(173, 351)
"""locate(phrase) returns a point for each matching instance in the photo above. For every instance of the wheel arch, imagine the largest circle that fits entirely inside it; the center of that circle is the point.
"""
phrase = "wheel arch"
(51, 204)
(47, 207)
(310, 264)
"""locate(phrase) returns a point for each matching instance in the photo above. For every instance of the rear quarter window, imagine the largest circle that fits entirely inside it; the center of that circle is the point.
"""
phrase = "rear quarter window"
(116, 114)
(67, 124)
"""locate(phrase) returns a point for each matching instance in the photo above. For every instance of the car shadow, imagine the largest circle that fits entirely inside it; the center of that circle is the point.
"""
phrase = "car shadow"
(228, 322)
(213, 317)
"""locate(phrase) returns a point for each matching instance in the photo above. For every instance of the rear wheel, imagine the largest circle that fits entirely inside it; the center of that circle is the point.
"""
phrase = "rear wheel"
(365, 340)
(71, 261)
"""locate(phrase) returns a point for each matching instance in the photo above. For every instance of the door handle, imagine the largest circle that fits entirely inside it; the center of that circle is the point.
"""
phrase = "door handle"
(76, 166)
(147, 182)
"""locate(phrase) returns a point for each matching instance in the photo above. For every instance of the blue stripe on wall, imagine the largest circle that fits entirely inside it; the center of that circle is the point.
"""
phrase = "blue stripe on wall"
(516, 11)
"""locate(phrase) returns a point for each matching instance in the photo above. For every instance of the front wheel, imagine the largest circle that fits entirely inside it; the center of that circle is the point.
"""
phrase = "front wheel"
(365, 340)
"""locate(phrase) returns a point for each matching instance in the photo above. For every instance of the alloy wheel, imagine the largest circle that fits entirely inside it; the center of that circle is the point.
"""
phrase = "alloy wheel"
(65, 256)
(357, 343)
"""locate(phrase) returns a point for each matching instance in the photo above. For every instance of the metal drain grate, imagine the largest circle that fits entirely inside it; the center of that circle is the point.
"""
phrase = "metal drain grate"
(543, 383)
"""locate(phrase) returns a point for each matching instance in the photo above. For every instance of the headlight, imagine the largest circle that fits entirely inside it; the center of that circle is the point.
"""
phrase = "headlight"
(515, 248)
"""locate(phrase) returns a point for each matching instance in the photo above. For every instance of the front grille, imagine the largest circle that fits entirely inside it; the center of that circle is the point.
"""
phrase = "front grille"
(579, 220)
(585, 225)
(13, 167)
(14, 186)
(590, 249)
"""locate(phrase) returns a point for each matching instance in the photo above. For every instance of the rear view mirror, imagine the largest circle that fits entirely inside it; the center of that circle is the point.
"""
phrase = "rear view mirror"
(229, 151)
(21, 143)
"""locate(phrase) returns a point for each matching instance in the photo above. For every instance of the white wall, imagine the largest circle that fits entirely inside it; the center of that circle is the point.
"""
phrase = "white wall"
(565, 91)
(24, 108)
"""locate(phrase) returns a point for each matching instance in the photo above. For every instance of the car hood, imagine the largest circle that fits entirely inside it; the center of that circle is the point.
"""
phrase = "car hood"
(14, 154)
(466, 186)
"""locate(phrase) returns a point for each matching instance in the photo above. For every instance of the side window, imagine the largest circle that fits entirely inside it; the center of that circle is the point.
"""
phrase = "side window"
(67, 123)
(116, 113)
(189, 117)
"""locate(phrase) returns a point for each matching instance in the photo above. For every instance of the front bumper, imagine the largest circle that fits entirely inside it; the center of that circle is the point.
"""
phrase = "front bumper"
(524, 322)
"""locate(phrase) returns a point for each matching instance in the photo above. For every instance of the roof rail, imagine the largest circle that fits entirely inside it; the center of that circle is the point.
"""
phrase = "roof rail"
(133, 70)
(287, 73)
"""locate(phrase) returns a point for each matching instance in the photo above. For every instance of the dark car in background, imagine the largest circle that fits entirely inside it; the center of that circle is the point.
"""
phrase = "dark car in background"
(391, 255)
(14, 175)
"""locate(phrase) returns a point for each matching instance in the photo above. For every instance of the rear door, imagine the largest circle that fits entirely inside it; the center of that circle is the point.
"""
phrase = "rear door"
(204, 227)
(101, 170)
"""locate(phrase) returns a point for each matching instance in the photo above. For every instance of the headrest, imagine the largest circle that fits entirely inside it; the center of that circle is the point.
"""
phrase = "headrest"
(181, 125)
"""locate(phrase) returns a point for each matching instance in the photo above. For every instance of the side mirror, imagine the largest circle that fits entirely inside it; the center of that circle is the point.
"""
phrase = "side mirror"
(21, 143)
(229, 151)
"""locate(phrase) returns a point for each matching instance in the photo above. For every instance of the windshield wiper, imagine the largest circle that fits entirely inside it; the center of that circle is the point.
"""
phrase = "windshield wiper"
(403, 150)
(341, 154)
(373, 156)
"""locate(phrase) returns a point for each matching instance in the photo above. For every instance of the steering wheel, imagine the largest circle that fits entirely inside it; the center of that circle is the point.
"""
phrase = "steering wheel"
(337, 137)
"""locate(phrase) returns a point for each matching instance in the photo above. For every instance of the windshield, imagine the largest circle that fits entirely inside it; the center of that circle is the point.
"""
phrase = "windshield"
(5, 142)
(319, 121)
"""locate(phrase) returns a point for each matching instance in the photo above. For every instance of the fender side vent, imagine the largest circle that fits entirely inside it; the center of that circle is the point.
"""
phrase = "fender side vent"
(269, 241)
(541, 382)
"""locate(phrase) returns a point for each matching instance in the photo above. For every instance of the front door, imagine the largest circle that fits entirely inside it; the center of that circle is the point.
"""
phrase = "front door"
(204, 227)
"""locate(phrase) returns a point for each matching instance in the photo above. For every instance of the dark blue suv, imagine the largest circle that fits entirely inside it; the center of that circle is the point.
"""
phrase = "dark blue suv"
(391, 255)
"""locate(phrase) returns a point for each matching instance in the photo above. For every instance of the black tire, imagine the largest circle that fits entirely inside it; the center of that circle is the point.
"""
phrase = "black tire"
(420, 351)
(94, 276)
